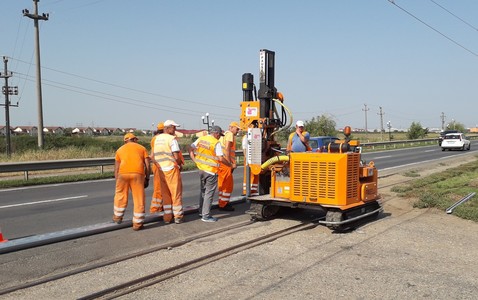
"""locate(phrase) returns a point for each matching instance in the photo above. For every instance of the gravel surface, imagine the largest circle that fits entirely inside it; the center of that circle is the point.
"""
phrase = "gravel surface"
(406, 253)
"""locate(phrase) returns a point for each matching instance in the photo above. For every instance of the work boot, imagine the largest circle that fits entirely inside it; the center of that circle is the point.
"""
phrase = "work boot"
(178, 221)
(137, 227)
(227, 207)
(117, 220)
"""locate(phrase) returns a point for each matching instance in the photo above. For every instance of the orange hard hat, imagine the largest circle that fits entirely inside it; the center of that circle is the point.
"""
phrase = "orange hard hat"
(160, 126)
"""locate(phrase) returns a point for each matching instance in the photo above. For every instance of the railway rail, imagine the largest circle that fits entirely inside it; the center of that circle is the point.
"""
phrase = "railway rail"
(170, 272)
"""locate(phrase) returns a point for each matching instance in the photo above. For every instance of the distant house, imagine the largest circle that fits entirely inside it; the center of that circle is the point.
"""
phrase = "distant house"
(104, 131)
(190, 132)
(54, 130)
(89, 131)
(30, 130)
(3, 130)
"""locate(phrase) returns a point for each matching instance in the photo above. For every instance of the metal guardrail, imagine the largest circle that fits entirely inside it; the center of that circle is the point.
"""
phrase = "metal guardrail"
(26, 167)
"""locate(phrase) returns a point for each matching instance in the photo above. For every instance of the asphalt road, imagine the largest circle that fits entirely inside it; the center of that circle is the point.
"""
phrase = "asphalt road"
(42, 209)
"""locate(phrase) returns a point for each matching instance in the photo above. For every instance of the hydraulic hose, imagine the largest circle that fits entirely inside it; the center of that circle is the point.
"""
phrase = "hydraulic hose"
(288, 111)
(274, 160)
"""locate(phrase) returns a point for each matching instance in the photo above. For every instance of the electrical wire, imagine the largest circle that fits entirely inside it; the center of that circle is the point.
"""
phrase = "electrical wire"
(465, 22)
(115, 98)
(432, 28)
(127, 88)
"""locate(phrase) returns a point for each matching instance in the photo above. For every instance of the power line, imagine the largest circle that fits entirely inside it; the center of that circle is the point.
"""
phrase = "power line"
(429, 26)
(455, 15)
(128, 88)
(115, 98)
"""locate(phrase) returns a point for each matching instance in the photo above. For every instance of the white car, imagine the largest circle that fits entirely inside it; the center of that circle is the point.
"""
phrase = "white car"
(455, 141)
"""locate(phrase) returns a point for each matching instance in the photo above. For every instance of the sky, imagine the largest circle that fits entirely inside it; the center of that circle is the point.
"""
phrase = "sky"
(132, 64)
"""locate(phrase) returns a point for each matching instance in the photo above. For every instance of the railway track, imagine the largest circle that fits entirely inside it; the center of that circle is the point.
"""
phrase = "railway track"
(170, 272)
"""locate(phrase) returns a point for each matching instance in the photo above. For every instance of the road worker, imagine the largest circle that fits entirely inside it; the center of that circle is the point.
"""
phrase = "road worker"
(299, 139)
(167, 158)
(156, 207)
(131, 172)
(225, 181)
(207, 153)
(254, 179)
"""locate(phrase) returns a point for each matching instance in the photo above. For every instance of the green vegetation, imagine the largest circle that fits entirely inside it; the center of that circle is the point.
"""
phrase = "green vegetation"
(416, 131)
(24, 148)
(456, 126)
(412, 173)
(442, 190)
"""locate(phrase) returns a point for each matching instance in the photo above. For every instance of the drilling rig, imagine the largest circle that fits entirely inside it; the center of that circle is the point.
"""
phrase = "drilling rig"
(336, 182)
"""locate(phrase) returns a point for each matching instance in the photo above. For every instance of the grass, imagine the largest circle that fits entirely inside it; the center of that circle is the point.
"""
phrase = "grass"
(442, 190)
(412, 173)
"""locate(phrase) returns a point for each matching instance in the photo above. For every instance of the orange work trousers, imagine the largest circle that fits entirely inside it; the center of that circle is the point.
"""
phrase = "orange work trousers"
(172, 192)
(135, 183)
(254, 184)
(225, 184)
(157, 200)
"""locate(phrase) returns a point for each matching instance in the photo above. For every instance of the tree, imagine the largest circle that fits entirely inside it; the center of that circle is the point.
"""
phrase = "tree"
(456, 126)
(416, 131)
(321, 125)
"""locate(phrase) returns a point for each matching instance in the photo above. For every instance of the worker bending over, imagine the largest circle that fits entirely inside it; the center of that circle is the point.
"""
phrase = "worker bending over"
(225, 180)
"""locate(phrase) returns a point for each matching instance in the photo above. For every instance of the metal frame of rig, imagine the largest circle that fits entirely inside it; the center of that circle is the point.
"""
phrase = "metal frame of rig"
(335, 181)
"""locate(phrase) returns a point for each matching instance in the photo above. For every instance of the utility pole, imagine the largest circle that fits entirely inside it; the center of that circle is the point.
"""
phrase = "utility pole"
(7, 91)
(443, 117)
(365, 110)
(381, 113)
(35, 18)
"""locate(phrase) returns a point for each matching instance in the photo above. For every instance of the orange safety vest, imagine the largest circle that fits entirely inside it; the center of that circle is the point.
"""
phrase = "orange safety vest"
(232, 151)
(205, 156)
(162, 151)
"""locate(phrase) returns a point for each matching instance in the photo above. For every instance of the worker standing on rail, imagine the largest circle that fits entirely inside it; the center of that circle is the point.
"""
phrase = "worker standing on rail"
(207, 153)
(299, 139)
(254, 179)
(167, 158)
(156, 207)
(131, 172)
(225, 180)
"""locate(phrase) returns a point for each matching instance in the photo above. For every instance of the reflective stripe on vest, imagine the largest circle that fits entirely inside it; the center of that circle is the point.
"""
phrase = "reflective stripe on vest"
(205, 156)
(162, 150)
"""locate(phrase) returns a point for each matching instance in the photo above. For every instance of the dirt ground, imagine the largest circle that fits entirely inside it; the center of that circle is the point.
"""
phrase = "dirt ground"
(407, 253)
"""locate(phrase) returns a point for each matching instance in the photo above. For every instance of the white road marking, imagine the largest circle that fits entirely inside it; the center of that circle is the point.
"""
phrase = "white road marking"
(44, 201)
(380, 157)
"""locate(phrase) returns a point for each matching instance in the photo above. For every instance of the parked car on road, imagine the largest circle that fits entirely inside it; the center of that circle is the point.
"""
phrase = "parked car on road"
(443, 133)
(455, 141)
(321, 142)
